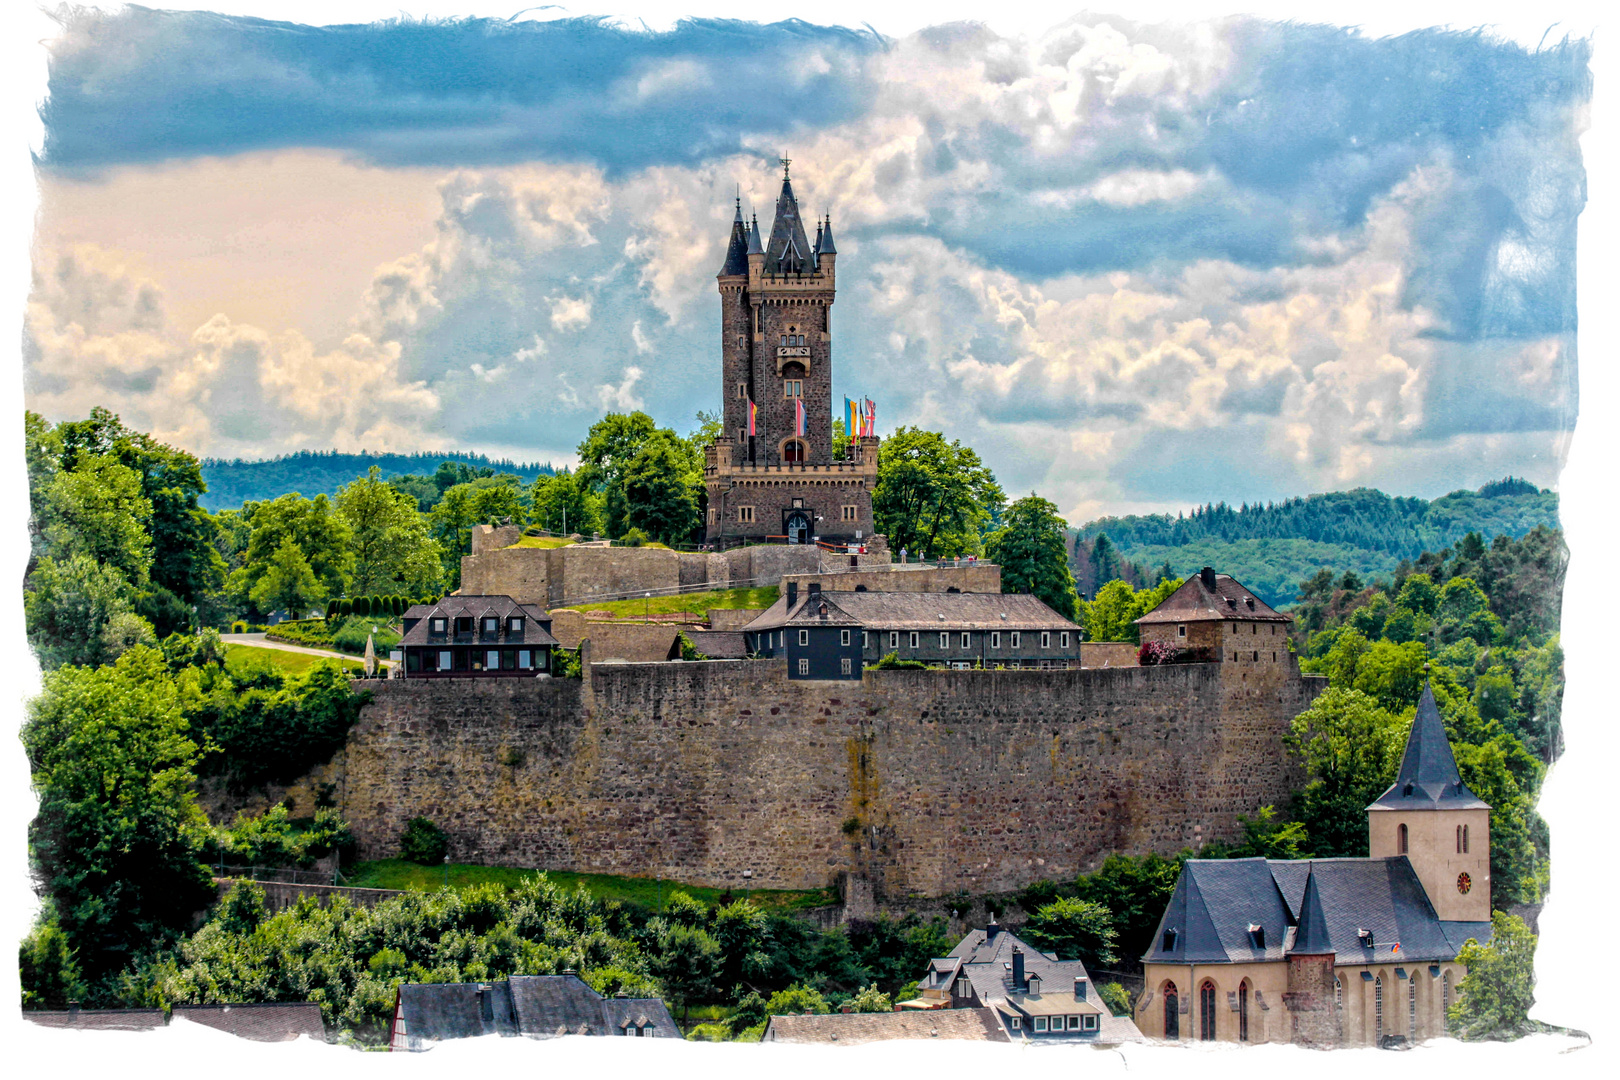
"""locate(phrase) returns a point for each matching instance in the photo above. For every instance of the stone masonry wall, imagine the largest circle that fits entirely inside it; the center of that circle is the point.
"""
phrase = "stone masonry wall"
(922, 782)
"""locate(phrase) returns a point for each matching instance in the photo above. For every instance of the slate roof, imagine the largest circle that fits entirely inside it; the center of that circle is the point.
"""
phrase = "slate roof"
(1428, 779)
(719, 644)
(928, 611)
(825, 246)
(97, 1019)
(259, 1021)
(452, 607)
(1217, 900)
(737, 251)
(536, 1006)
(807, 610)
(788, 250)
(985, 957)
(1211, 597)
(853, 1029)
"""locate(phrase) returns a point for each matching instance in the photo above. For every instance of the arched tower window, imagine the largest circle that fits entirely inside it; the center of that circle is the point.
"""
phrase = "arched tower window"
(1401, 839)
(1465, 840)
(1338, 999)
(1445, 995)
(1206, 1011)
(1243, 1011)
(1378, 1010)
(1172, 1011)
(1411, 1008)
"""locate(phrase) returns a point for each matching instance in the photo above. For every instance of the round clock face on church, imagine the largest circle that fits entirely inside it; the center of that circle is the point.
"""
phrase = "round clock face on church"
(1464, 883)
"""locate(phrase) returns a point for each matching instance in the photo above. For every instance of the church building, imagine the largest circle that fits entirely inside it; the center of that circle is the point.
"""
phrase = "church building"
(773, 474)
(1333, 952)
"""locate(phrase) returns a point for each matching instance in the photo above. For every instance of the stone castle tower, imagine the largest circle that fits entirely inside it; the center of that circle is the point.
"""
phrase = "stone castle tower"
(783, 481)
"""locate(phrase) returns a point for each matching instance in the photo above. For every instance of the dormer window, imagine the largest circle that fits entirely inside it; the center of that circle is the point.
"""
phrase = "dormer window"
(514, 625)
(1365, 937)
(1257, 936)
(1170, 935)
(464, 624)
(492, 626)
(438, 626)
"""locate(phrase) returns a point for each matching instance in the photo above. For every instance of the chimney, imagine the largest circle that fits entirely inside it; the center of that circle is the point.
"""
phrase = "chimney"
(792, 594)
(1018, 968)
(815, 590)
(992, 928)
(1079, 988)
(1207, 576)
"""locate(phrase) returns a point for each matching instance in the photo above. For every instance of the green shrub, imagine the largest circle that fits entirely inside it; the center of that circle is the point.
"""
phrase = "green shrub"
(634, 538)
(331, 610)
(314, 633)
(360, 605)
(345, 608)
(892, 661)
(565, 664)
(424, 842)
(239, 627)
(350, 636)
(1116, 998)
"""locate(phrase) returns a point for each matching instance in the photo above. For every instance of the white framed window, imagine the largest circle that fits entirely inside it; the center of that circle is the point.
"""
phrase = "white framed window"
(525, 659)
(1063, 640)
(745, 515)
(844, 666)
(1074, 1023)
(804, 666)
(894, 639)
(1040, 1023)
(804, 637)
(1016, 1023)
(995, 639)
(515, 624)
(1046, 639)
(967, 640)
(865, 639)
(1088, 1022)
(843, 637)
(915, 639)
(492, 625)
(1181, 631)
(944, 640)
(1015, 636)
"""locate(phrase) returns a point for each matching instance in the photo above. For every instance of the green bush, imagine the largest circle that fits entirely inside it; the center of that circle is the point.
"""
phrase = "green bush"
(424, 842)
(239, 627)
(565, 664)
(350, 636)
(1116, 998)
(892, 661)
(313, 633)
(634, 538)
(360, 605)
(331, 610)
(345, 608)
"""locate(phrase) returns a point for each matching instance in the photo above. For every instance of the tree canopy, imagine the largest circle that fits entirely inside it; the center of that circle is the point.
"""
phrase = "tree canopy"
(1033, 554)
(933, 496)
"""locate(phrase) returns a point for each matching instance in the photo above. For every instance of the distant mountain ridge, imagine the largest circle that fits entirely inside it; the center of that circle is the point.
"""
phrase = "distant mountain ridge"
(1272, 547)
(325, 472)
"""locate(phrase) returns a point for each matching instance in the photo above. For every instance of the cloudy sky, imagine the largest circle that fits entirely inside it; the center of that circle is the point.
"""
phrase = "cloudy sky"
(1136, 265)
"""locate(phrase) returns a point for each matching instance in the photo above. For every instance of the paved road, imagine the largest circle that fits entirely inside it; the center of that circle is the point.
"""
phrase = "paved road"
(261, 642)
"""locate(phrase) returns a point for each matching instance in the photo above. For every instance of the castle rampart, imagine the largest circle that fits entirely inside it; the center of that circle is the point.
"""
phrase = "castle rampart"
(922, 782)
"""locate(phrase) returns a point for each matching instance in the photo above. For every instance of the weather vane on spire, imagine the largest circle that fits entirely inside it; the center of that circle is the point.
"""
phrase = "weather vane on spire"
(785, 163)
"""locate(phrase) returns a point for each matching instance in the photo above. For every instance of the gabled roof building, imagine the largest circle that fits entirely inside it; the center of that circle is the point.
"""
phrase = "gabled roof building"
(1033, 995)
(535, 1006)
(476, 637)
(1331, 952)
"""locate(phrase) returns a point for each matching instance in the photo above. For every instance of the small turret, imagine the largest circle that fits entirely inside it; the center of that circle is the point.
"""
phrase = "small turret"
(754, 247)
(737, 250)
(824, 239)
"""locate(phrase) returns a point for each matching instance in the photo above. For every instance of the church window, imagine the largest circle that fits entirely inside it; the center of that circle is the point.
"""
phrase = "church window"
(850, 513)
(1015, 639)
(915, 639)
(1401, 841)
(745, 515)
(843, 637)
(1445, 992)
(1172, 1012)
(804, 637)
(894, 639)
(1411, 1008)
(1465, 839)
(1378, 1009)
(944, 641)
(1338, 999)
(1243, 1011)
(1206, 1012)
(804, 666)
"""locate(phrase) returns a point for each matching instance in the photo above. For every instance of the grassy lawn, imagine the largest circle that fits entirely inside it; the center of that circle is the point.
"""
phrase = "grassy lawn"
(543, 542)
(237, 655)
(698, 602)
(646, 892)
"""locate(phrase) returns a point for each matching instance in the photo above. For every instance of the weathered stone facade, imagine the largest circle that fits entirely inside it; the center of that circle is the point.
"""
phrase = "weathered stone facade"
(921, 782)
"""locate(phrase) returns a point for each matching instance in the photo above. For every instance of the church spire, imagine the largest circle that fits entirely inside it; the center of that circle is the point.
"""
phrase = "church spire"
(1428, 776)
(1311, 939)
(788, 251)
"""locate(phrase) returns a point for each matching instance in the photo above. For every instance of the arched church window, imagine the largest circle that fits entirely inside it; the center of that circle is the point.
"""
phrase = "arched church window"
(1243, 1011)
(1206, 1011)
(1411, 1007)
(1401, 838)
(1378, 1010)
(1465, 840)
(1172, 1011)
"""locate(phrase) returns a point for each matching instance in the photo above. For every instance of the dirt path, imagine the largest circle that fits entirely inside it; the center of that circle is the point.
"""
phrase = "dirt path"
(261, 642)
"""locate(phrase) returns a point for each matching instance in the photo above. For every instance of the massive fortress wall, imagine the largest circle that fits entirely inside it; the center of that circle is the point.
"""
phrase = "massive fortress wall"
(923, 782)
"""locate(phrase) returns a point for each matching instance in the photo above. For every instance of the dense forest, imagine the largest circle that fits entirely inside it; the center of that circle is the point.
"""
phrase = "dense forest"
(1272, 547)
(324, 472)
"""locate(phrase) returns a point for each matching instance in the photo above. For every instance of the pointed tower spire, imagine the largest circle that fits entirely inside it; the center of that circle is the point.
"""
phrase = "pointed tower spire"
(788, 251)
(753, 238)
(824, 241)
(737, 250)
(1428, 776)
(1311, 939)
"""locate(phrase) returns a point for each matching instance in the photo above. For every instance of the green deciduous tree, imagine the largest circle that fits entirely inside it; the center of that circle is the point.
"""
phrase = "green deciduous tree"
(1351, 748)
(684, 960)
(117, 836)
(564, 504)
(1494, 998)
(48, 965)
(1032, 550)
(869, 999)
(315, 529)
(1075, 929)
(933, 496)
(96, 509)
(660, 495)
(390, 541)
(1112, 615)
(288, 583)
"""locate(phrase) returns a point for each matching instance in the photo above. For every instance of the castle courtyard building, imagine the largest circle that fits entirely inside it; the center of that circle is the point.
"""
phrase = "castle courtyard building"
(1333, 952)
